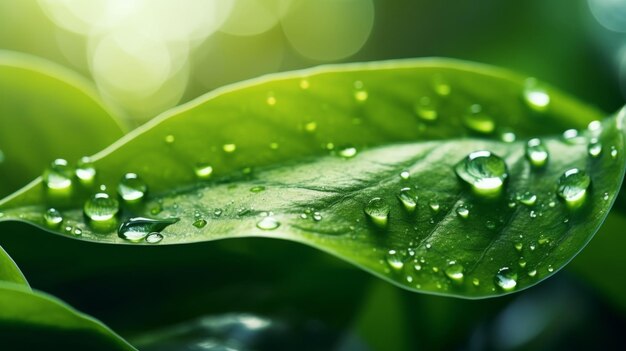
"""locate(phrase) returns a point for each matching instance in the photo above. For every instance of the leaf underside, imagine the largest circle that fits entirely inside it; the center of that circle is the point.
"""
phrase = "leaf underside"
(290, 132)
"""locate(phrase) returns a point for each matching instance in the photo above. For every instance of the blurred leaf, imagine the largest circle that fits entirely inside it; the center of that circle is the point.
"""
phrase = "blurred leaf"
(25, 314)
(9, 271)
(266, 145)
(46, 112)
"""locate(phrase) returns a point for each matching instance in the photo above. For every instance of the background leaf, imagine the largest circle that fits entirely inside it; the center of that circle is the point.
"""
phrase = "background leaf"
(451, 108)
(50, 110)
(9, 271)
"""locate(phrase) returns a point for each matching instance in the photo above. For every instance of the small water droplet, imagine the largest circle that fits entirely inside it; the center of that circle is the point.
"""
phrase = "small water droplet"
(137, 228)
(85, 171)
(203, 170)
(572, 136)
(532, 273)
(483, 171)
(605, 196)
(229, 148)
(476, 282)
(536, 152)
(360, 94)
(154, 238)
(506, 279)
(528, 198)
(594, 148)
(572, 187)
(522, 263)
(454, 271)
(131, 188)
(274, 146)
(519, 246)
(271, 100)
(58, 176)
(169, 139)
(441, 87)
(378, 211)
(217, 212)
(477, 121)
(613, 152)
(348, 152)
(462, 211)
(53, 218)
(317, 216)
(533, 214)
(405, 175)
(408, 199)
(508, 136)
(417, 267)
(394, 260)
(304, 84)
(490, 224)
(310, 127)
(550, 269)
(595, 127)
(257, 189)
(425, 109)
(535, 96)
(199, 223)
(268, 223)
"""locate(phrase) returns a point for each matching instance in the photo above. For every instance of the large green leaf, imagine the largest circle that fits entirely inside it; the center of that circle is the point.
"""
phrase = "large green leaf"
(24, 314)
(282, 166)
(46, 112)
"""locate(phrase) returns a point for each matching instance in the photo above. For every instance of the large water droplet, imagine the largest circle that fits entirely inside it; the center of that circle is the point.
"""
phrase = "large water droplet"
(408, 198)
(572, 187)
(137, 228)
(378, 211)
(506, 279)
(85, 171)
(536, 152)
(454, 271)
(535, 96)
(58, 176)
(425, 109)
(394, 259)
(203, 170)
(483, 171)
(52, 218)
(101, 207)
(478, 121)
(131, 188)
(268, 223)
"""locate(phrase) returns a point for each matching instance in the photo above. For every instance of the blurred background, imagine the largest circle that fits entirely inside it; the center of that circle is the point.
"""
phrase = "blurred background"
(145, 56)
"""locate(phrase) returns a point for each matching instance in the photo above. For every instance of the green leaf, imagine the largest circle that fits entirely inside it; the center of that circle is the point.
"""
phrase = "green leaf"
(9, 271)
(24, 314)
(300, 156)
(46, 112)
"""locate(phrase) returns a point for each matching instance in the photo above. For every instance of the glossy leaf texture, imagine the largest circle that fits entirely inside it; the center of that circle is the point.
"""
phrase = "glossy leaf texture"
(24, 313)
(46, 112)
(364, 162)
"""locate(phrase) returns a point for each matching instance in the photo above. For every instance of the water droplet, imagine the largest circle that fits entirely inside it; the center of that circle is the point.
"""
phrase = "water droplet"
(594, 148)
(572, 187)
(417, 267)
(506, 279)
(199, 223)
(536, 152)
(434, 206)
(405, 175)
(131, 188)
(203, 170)
(595, 127)
(271, 100)
(490, 224)
(528, 198)
(572, 136)
(536, 97)
(378, 211)
(170, 139)
(137, 228)
(304, 84)
(154, 238)
(425, 109)
(454, 271)
(52, 218)
(550, 269)
(101, 208)
(533, 214)
(532, 273)
(522, 263)
(77, 231)
(274, 146)
(310, 127)
(483, 171)
(394, 260)
(257, 189)
(229, 148)
(476, 282)
(441, 87)
(348, 152)
(317, 216)
(217, 212)
(613, 152)
(478, 121)
(605, 196)
(462, 211)
(519, 246)
(360, 94)
(58, 176)
(508, 136)
(85, 171)
(543, 240)
(408, 199)
(268, 223)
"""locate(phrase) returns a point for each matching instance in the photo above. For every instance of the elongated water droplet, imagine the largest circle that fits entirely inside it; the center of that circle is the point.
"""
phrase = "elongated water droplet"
(594, 148)
(58, 176)
(137, 228)
(52, 218)
(408, 198)
(572, 187)
(528, 198)
(378, 211)
(394, 260)
(483, 171)
(478, 121)
(85, 171)
(257, 189)
(131, 188)
(199, 223)
(454, 271)
(268, 223)
(425, 109)
(348, 152)
(536, 152)
(535, 96)
(203, 170)
(506, 279)
(229, 148)
(154, 238)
